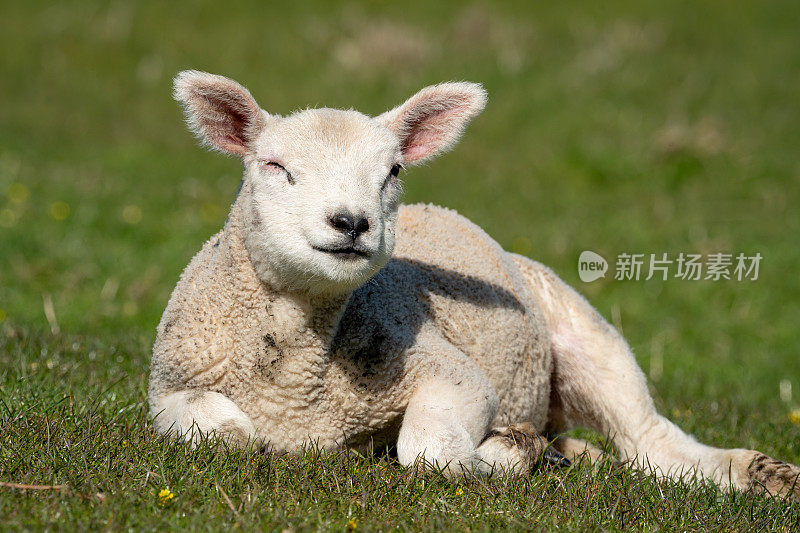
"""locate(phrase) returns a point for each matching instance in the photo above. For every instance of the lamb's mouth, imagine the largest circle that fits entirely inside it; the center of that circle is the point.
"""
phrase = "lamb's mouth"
(348, 252)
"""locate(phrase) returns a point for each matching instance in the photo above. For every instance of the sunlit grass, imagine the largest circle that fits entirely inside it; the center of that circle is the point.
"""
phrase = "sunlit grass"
(96, 462)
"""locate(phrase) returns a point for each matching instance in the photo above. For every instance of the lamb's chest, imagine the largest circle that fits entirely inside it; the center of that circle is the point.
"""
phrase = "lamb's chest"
(344, 396)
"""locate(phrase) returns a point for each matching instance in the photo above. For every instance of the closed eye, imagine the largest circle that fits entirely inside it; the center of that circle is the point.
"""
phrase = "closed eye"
(278, 166)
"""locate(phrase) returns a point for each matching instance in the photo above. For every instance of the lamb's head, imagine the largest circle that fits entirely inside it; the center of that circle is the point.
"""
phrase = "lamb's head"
(321, 190)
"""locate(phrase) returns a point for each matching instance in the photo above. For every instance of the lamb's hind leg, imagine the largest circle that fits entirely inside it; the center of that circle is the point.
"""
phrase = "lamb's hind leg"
(518, 449)
(597, 384)
(577, 449)
(194, 413)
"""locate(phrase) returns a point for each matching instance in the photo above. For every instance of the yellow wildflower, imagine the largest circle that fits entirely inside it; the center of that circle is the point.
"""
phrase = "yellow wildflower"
(165, 496)
(58, 211)
(459, 491)
(351, 524)
(794, 416)
(132, 214)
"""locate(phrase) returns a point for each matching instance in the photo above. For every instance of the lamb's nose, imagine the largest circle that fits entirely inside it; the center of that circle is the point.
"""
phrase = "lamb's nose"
(347, 223)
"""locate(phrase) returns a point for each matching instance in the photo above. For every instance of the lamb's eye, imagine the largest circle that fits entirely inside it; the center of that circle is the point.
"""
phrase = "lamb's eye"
(277, 167)
(392, 174)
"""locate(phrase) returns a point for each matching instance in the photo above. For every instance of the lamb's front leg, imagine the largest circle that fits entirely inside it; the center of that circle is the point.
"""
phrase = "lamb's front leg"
(193, 413)
(446, 424)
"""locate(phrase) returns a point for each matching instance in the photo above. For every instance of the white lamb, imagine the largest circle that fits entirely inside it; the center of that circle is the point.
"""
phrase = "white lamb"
(326, 312)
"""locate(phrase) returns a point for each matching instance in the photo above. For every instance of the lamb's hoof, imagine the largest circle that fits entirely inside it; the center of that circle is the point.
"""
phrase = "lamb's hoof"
(533, 449)
(553, 457)
(776, 478)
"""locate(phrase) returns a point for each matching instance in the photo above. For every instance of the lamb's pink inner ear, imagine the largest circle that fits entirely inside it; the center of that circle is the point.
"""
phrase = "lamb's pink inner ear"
(431, 121)
(226, 121)
(426, 135)
(221, 112)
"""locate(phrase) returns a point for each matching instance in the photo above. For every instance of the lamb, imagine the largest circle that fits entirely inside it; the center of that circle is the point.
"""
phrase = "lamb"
(327, 312)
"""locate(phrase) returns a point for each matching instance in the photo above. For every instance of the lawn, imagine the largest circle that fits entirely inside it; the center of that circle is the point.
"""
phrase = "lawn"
(640, 127)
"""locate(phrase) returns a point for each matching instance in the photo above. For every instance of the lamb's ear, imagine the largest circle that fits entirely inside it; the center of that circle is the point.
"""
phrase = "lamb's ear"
(219, 111)
(431, 121)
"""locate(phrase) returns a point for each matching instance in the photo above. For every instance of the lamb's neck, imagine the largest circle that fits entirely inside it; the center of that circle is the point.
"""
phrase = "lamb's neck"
(292, 320)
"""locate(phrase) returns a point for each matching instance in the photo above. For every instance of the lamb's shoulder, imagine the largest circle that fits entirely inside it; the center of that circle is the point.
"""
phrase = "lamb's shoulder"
(212, 303)
(469, 286)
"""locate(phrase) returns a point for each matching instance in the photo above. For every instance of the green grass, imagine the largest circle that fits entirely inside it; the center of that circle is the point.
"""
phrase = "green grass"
(624, 127)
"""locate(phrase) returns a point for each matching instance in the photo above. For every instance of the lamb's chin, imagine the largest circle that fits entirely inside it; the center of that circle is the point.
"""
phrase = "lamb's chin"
(324, 278)
(350, 275)
(345, 275)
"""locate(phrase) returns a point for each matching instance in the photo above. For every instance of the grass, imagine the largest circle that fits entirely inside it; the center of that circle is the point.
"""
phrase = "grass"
(625, 127)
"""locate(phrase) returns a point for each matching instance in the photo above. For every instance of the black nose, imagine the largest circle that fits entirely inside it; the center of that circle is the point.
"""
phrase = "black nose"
(347, 223)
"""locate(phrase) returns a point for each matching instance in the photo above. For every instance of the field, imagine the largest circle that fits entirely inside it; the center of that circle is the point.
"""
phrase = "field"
(641, 127)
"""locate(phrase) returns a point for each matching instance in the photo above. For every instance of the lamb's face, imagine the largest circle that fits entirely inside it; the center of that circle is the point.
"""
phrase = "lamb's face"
(321, 192)
(321, 197)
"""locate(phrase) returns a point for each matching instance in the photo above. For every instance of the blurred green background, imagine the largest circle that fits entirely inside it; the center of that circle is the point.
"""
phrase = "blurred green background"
(646, 127)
